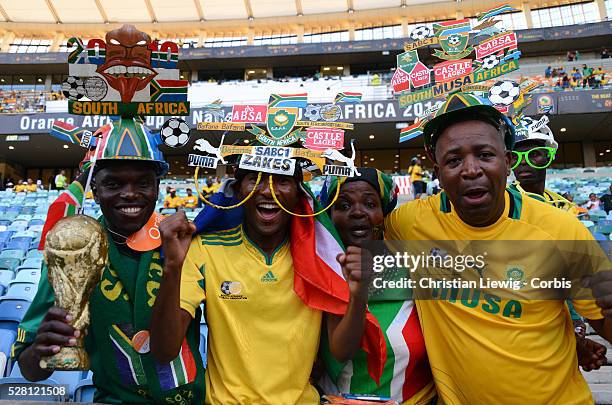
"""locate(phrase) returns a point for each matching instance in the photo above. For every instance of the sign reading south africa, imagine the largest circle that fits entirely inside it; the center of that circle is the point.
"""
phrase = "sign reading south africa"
(128, 109)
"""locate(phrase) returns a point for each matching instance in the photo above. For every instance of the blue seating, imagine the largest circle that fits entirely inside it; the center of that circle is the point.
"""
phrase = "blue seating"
(13, 253)
(19, 244)
(7, 338)
(34, 253)
(85, 390)
(27, 276)
(6, 276)
(23, 290)
(12, 311)
(32, 263)
(9, 263)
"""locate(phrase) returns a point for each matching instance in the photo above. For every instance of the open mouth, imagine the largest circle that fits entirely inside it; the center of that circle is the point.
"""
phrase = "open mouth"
(119, 71)
(268, 211)
(360, 231)
(476, 196)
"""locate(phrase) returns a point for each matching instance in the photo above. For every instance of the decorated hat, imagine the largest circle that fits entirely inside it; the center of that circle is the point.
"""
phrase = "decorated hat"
(459, 105)
(128, 139)
(529, 129)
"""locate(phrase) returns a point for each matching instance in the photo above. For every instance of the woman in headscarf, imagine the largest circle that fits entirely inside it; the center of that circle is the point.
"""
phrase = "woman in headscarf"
(358, 215)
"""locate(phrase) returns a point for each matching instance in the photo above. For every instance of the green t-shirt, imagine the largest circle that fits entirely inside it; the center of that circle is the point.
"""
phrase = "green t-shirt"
(120, 306)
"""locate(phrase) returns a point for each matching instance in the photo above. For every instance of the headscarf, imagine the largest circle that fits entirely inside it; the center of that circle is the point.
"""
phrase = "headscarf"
(382, 183)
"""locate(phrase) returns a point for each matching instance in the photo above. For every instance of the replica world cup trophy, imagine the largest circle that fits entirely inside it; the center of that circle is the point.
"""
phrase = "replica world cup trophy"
(76, 249)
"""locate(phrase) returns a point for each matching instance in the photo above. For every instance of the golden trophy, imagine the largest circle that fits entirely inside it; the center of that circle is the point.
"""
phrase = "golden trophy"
(75, 252)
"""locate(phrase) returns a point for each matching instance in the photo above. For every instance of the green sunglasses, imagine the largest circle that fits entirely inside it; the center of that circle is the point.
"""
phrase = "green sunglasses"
(539, 158)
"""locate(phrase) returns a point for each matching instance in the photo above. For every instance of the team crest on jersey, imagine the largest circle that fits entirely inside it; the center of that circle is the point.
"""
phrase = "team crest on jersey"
(231, 290)
(515, 273)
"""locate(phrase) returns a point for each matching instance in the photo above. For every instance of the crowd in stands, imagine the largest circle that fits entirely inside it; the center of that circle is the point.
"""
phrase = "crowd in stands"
(25, 101)
(586, 77)
(189, 202)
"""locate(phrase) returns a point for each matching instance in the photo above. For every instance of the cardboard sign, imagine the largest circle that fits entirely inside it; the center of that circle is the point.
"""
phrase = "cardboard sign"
(400, 80)
(420, 75)
(337, 170)
(441, 89)
(324, 138)
(128, 109)
(496, 44)
(221, 126)
(341, 125)
(255, 114)
(148, 237)
(447, 71)
(269, 159)
(208, 162)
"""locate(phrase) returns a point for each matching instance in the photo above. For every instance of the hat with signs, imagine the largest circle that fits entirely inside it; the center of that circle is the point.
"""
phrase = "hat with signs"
(462, 107)
(128, 139)
(529, 129)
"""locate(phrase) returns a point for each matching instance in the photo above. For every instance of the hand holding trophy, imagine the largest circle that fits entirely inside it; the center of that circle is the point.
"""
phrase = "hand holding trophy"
(75, 251)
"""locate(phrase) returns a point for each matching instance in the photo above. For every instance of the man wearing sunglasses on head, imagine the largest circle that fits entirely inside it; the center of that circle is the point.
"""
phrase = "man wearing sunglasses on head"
(534, 151)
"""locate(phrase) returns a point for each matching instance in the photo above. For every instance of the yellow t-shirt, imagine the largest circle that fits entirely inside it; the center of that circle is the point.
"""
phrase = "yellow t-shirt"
(416, 173)
(190, 201)
(263, 339)
(170, 202)
(19, 188)
(486, 350)
(31, 188)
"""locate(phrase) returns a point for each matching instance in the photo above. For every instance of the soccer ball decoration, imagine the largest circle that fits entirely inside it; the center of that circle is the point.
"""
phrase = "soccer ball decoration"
(175, 132)
(489, 62)
(73, 88)
(504, 92)
(454, 40)
(421, 32)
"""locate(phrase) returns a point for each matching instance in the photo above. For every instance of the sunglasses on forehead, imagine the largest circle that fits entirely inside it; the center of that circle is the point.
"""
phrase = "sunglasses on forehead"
(539, 158)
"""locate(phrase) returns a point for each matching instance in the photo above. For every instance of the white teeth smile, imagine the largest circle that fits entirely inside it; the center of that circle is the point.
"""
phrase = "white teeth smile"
(360, 232)
(131, 210)
(268, 206)
(129, 71)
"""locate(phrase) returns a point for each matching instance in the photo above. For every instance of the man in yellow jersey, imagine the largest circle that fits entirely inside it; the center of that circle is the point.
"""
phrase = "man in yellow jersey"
(264, 337)
(190, 201)
(485, 349)
(172, 200)
(31, 187)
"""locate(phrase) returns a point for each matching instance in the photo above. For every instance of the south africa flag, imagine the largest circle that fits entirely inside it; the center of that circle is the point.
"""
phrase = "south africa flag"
(288, 100)
(348, 97)
(169, 90)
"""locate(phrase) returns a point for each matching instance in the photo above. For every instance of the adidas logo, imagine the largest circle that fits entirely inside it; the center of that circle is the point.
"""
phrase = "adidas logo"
(269, 277)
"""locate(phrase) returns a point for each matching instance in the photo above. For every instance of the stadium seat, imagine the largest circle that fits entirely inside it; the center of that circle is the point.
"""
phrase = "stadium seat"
(6, 276)
(9, 263)
(19, 244)
(7, 338)
(32, 263)
(85, 389)
(34, 253)
(27, 276)
(22, 290)
(12, 311)
(13, 253)
(203, 341)
(36, 225)
(588, 224)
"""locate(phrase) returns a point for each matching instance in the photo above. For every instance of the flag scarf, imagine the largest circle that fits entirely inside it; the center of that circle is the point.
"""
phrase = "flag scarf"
(504, 8)
(348, 97)
(318, 280)
(288, 100)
